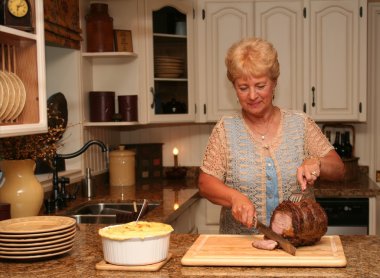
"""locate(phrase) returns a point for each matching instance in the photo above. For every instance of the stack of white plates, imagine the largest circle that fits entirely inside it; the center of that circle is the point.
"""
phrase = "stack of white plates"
(12, 96)
(168, 67)
(36, 237)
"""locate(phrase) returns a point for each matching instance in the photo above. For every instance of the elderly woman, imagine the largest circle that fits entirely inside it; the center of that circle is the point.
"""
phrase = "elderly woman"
(255, 160)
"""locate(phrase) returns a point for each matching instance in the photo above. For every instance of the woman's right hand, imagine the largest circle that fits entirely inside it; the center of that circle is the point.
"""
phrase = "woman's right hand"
(217, 192)
(243, 209)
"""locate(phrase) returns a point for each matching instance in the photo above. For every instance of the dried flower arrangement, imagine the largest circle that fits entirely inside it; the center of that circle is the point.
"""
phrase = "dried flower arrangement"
(38, 146)
(43, 146)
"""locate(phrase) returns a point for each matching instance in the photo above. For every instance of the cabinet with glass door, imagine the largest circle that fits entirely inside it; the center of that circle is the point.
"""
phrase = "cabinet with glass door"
(170, 47)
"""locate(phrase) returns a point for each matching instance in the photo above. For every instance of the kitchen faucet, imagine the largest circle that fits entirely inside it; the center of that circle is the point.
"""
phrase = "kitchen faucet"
(59, 194)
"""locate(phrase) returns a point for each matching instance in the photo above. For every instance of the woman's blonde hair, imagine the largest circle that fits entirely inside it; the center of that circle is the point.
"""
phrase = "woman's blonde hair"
(252, 57)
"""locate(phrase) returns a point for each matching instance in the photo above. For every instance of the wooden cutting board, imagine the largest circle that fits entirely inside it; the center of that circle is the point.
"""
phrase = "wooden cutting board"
(237, 250)
(103, 265)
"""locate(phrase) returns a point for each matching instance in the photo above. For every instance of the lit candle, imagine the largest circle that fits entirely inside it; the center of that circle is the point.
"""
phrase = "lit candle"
(176, 205)
(175, 153)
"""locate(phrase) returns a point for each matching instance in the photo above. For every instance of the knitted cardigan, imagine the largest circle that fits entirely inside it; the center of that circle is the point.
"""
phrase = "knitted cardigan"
(236, 157)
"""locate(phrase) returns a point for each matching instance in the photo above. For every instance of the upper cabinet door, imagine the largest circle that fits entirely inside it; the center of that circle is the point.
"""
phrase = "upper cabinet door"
(337, 89)
(221, 24)
(281, 23)
(170, 59)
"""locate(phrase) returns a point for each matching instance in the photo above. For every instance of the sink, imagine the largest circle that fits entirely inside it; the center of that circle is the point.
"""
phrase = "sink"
(108, 213)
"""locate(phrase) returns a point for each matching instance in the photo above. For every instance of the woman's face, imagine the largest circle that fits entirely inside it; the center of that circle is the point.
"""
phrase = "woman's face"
(255, 94)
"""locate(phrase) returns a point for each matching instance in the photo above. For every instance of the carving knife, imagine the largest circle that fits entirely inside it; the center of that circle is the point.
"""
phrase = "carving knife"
(284, 243)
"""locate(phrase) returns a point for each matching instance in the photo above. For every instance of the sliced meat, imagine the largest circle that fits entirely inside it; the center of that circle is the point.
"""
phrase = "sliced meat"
(266, 244)
(302, 223)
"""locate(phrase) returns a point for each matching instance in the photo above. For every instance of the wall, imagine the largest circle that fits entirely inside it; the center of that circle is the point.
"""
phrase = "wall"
(191, 141)
(62, 75)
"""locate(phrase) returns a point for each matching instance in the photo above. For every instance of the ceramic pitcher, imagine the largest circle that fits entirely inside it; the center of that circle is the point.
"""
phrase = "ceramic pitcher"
(21, 188)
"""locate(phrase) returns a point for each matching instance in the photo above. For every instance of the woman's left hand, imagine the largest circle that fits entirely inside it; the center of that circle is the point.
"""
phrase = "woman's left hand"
(308, 172)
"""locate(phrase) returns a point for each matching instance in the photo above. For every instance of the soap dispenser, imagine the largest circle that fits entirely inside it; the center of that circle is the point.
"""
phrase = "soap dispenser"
(89, 185)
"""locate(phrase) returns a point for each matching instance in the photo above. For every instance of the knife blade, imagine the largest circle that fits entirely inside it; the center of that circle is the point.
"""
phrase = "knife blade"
(284, 243)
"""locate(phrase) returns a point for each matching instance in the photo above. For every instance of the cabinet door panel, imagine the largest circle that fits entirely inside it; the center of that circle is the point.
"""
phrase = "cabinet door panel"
(335, 47)
(225, 24)
(281, 23)
(170, 61)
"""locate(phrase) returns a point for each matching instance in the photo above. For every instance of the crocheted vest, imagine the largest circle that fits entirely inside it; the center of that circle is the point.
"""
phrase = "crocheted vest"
(246, 165)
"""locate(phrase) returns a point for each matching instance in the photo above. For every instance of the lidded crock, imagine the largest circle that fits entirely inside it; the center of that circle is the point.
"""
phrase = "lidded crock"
(99, 29)
(122, 167)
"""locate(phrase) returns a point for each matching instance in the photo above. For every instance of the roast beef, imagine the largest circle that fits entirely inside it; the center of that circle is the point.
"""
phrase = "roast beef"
(301, 223)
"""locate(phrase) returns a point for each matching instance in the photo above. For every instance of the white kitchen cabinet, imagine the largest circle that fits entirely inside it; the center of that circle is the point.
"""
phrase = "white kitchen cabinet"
(183, 220)
(322, 54)
(169, 37)
(219, 25)
(223, 23)
(185, 224)
(23, 53)
(373, 104)
(207, 217)
(336, 90)
(281, 23)
(200, 217)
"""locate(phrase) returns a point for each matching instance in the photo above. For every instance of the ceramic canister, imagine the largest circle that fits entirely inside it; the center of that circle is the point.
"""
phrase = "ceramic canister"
(102, 106)
(99, 29)
(122, 167)
(128, 107)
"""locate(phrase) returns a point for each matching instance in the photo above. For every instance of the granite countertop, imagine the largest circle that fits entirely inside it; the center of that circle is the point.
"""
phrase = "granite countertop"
(184, 192)
(363, 186)
(361, 252)
(163, 189)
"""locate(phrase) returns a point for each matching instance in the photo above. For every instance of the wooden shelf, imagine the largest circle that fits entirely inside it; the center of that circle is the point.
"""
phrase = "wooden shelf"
(170, 79)
(110, 123)
(169, 36)
(16, 34)
(109, 54)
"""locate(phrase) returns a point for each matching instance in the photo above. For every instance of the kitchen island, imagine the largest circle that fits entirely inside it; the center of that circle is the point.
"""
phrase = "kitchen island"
(362, 252)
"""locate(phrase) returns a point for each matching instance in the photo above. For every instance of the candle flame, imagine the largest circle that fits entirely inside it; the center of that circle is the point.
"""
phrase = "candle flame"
(175, 151)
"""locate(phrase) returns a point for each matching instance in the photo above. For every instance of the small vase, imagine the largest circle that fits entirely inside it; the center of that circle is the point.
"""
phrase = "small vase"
(21, 188)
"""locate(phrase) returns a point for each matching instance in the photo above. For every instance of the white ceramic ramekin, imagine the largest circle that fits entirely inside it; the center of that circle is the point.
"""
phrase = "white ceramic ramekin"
(136, 251)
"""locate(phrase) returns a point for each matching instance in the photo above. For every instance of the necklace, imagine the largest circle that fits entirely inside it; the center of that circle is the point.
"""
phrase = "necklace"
(263, 134)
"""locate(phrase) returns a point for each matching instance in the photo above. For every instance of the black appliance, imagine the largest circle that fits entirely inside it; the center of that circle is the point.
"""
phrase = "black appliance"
(346, 216)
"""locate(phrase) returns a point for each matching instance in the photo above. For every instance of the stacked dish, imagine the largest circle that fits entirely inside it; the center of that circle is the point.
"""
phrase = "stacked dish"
(168, 67)
(12, 96)
(36, 237)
